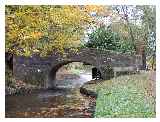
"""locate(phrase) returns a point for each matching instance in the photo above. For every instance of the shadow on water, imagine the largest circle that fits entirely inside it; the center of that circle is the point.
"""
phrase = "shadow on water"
(58, 102)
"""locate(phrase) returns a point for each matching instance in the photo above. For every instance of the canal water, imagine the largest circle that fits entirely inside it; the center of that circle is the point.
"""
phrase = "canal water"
(64, 101)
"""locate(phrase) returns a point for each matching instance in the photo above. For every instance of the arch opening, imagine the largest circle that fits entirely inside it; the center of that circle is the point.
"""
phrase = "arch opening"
(72, 73)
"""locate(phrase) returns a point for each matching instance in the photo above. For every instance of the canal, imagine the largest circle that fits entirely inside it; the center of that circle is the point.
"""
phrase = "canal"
(64, 101)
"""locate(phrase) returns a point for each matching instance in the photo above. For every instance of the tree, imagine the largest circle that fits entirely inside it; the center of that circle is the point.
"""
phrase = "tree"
(42, 29)
(149, 27)
(102, 38)
(140, 21)
(105, 38)
(128, 17)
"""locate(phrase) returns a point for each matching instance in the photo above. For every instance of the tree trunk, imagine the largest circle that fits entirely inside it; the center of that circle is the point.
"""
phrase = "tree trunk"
(129, 27)
(143, 60)
(154, 59)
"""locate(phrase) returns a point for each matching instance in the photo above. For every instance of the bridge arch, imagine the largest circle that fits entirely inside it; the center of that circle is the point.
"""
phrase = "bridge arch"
(55, 68)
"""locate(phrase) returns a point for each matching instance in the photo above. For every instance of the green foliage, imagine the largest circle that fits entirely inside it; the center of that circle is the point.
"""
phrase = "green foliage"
(102, 38)
(126, 46)
(106, 38)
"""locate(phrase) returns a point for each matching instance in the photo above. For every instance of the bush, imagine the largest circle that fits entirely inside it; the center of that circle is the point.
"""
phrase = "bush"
(105, 38)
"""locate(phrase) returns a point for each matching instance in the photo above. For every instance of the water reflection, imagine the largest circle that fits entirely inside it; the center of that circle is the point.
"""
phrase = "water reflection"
(64, 101)
(69, 82)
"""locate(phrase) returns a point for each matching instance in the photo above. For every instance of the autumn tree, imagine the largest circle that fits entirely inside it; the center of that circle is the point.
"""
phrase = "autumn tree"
(42, 29)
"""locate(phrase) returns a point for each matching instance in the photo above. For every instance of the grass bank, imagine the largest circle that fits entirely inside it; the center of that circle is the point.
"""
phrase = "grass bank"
(125, 96)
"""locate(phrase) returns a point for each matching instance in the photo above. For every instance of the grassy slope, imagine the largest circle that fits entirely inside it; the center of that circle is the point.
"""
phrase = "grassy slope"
(125, 96)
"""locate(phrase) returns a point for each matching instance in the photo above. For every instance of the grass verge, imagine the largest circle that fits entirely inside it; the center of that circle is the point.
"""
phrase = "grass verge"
(125, 96)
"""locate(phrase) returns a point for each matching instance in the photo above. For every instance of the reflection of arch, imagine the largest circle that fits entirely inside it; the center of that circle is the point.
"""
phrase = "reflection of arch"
(55, 68)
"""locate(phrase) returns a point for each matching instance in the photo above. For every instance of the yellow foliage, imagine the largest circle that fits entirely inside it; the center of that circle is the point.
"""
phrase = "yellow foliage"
(95, 8)
(36, 35)
(63, 26)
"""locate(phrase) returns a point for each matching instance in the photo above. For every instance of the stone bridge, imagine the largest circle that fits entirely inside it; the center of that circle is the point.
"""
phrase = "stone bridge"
(43, 69)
